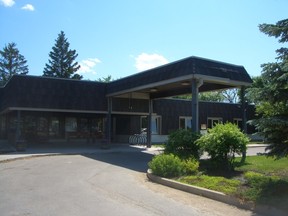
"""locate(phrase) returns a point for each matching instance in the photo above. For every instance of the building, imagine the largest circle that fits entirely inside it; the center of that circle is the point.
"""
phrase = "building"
(38, 109)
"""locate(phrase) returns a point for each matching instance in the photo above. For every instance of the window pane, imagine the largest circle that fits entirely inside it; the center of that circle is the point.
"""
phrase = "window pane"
(71, 124)
(54, 127)
(182, 123)
(209, 123)
(188, 123)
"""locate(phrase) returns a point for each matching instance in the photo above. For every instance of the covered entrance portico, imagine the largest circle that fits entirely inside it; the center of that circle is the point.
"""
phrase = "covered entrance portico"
(188, 76)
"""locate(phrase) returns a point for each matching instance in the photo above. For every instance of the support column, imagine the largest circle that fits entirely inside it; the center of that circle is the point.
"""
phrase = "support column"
(149, 122)
(195, 109)
(18, 126)
(243, 108)
(108, 123)
(244, 116)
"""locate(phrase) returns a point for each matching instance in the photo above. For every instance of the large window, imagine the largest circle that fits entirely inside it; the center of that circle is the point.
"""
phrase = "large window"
(155, 124)
(71, 124)
(211, 122)
(185, 122)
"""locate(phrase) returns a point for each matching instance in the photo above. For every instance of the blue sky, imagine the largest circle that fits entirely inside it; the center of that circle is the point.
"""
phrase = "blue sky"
(123, 37)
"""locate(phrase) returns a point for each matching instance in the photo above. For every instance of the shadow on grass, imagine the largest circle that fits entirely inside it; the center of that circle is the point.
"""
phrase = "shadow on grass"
(208, 167)
(261, 189)
(268, 190)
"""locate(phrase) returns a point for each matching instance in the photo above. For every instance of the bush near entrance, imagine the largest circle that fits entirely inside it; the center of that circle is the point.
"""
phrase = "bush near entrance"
(169, 165)
(222, 142)
(182, 143)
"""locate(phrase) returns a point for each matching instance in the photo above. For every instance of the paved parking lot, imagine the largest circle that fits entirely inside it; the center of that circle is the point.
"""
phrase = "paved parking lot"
(109, 182)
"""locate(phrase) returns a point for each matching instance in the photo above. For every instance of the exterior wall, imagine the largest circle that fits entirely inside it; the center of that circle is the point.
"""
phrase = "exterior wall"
(41, 109)
(46, 126)
(172, 109)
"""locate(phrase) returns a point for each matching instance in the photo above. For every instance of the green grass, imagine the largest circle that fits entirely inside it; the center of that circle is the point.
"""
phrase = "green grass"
(221, 184)
(260, 179)
(265, 165)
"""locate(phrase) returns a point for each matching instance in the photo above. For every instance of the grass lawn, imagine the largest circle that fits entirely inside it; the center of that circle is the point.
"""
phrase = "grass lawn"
(260, 179)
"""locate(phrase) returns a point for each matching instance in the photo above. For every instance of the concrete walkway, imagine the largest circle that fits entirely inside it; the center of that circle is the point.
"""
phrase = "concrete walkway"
(80, 148)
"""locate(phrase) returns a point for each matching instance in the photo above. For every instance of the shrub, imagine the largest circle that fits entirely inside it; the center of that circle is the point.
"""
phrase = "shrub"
(190, 166)
(182, 143)
(166, 165)
(222, 142)
(169, 165)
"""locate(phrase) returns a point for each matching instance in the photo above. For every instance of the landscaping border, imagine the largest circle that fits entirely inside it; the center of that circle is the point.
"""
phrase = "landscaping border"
(215, 195)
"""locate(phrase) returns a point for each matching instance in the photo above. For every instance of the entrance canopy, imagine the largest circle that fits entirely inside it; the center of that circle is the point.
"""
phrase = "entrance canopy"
(176, 78)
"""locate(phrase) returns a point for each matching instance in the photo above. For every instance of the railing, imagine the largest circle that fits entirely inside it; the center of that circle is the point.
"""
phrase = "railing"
(138, 139)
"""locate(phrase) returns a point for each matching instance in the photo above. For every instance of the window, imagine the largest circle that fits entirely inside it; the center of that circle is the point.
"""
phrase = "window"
(238, 122)
(155, 124)
(42, 127)
(211, 122)
(71, 124)
(54, 126)
(185, 122)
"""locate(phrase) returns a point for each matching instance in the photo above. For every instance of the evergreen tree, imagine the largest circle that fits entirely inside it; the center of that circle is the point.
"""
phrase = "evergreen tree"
(271, 94)
(105, 79)
(62, 62)
(11, 62)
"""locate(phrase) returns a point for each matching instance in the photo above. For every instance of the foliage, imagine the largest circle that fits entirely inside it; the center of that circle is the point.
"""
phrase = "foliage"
(231, 95)
(263, 188)
(222, 142)
(215, 96)
(105, 79)
(264, 165)
(216, 183)
(11, 62)
(190, 166)
(251, 181)
(252, 92)
(169, 165)
(62, 62)
(271, 94)
(182, 143)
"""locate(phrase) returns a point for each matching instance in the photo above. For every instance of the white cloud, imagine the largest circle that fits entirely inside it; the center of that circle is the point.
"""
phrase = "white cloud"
(8, 3)
(88, 66)
(28, 7)
(146, 61)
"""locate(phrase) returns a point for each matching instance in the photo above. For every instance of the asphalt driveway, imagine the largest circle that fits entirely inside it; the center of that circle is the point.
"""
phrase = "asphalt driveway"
(99, 183)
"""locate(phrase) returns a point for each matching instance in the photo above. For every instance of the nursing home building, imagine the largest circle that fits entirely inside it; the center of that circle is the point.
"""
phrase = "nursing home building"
(45, 109)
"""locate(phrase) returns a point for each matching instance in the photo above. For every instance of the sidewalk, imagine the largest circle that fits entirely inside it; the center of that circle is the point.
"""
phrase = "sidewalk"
(78, 148)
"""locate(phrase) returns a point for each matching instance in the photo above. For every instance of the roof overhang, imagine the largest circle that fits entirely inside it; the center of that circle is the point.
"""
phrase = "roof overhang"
(175, 79)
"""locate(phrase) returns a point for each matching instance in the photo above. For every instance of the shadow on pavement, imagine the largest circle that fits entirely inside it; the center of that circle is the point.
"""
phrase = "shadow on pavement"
(136, 160)
(122, 155)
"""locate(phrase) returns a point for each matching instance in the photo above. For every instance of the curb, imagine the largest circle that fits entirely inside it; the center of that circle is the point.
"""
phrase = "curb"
(215, 195)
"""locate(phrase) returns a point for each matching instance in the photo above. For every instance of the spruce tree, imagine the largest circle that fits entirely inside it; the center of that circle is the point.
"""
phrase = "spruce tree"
(62, 62)
(11, 62)
(271, 94)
